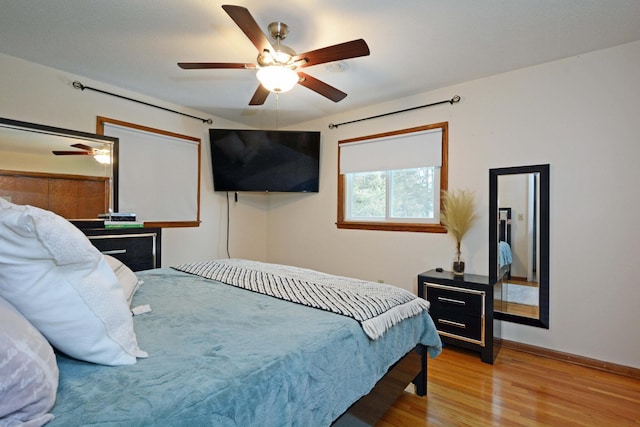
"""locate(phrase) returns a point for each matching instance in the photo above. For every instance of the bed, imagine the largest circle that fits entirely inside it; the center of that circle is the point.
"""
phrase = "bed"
(505, 256)
(198, 351)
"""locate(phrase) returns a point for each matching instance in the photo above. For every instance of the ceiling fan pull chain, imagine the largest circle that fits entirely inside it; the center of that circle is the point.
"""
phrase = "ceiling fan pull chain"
(277, 108)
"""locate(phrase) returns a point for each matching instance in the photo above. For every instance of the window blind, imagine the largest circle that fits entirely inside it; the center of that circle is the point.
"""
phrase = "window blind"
(158, 175)
(403, 151)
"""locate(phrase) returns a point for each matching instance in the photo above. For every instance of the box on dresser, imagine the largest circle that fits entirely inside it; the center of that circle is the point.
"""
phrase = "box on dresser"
(462, 309)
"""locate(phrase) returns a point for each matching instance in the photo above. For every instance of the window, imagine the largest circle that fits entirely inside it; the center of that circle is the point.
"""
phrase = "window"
(145, 157)
(393, 181)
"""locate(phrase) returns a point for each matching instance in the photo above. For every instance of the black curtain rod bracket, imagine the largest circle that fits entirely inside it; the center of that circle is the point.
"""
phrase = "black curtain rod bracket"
(451, 101)
(80, 86)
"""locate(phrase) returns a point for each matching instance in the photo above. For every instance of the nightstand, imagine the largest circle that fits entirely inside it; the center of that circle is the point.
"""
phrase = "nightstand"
(462, 310)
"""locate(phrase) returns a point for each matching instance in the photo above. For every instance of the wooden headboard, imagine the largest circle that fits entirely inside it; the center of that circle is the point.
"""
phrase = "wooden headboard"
(70, 196)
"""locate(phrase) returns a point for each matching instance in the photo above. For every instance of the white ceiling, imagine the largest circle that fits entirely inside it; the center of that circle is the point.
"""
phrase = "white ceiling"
(416, 45)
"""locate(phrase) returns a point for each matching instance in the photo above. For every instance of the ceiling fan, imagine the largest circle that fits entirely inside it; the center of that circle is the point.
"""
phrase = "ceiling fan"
(278, 64)
(101, 155)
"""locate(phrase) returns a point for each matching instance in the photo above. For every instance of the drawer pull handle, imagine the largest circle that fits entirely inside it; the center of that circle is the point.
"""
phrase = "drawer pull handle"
(115, 251)
(452, 301)
(450, 323)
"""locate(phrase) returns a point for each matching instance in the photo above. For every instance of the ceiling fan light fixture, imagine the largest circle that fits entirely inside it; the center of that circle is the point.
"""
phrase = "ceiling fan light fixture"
(283, 56)
(277, 78)
(102, 156)
(280, 56)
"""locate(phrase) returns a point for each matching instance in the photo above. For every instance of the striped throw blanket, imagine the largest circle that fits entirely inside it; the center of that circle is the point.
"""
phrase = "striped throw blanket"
(376, 306)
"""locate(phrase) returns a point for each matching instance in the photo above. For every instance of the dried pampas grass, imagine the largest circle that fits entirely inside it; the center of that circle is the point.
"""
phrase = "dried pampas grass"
(458, 213)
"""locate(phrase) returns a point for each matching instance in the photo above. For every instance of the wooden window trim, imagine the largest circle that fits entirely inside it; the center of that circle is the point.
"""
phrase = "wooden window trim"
(396, 226)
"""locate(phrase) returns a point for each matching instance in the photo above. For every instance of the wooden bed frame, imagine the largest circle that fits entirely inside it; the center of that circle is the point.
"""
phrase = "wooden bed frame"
(412, 368)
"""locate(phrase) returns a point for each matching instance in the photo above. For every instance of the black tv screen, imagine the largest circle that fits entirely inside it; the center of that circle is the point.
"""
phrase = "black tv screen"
(265, 160)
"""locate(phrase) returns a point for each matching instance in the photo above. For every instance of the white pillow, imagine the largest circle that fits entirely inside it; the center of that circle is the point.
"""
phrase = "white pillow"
(28, 371)
(127, 278)
(63, 285)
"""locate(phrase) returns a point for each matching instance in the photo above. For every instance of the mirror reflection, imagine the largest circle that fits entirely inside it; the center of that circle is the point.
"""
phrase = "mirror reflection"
(518, 258)
(68, 172)
(519, 243)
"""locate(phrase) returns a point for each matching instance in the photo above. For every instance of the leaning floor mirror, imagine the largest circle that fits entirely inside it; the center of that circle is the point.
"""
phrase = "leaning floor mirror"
(519, 243)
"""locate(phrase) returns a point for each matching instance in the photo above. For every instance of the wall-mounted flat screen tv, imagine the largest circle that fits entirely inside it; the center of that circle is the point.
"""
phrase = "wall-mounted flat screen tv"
(265, 160)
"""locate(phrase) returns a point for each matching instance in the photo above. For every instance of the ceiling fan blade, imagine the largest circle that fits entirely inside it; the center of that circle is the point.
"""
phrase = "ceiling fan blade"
(337, 52)
(82, 147)
(218, 65)
(71, 153)
(259, 96)
(249, 26)
(321, 87)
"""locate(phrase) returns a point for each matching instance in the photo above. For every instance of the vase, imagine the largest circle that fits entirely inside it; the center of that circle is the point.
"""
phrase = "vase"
(458, 265)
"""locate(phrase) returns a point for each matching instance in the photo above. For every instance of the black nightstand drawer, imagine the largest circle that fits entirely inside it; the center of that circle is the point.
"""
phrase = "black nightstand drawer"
(470, 328)
(138, 249)
(455, 301)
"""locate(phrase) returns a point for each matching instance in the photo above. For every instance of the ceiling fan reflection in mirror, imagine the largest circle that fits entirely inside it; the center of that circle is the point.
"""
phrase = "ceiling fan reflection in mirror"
(278, 64)
(100, 155)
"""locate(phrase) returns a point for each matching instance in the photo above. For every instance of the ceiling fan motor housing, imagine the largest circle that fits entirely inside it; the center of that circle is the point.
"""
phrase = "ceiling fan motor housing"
(278, 30)
(283, 54)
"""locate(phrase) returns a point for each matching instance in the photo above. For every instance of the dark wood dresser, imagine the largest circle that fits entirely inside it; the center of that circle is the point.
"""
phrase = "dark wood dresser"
(462, 310)
(137, 248)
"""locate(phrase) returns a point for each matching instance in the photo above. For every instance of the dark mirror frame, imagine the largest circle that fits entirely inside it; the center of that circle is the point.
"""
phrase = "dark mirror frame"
(543, 274)
(62, 132)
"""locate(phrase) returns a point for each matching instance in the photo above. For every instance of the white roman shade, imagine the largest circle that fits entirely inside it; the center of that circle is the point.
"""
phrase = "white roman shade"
(403, 151)
(158, 174)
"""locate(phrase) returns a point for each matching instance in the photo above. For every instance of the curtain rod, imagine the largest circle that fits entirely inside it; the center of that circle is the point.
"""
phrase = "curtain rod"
(80, 86)
(452, 101)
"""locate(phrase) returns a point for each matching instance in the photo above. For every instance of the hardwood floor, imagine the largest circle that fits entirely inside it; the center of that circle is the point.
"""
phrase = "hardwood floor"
(520, 389)
(519, 309)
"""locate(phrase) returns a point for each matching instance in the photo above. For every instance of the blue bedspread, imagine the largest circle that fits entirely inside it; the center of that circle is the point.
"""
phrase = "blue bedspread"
(504, 254)
(223, 356)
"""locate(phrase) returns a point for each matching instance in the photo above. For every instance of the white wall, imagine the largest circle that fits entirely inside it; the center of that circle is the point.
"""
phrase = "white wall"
(33, 93)
(581, 116)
